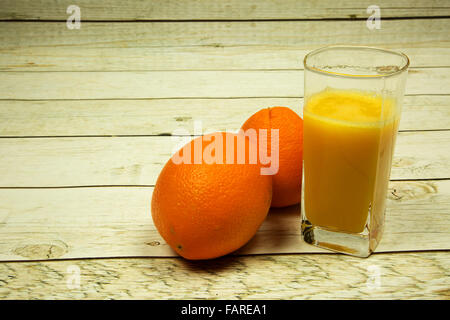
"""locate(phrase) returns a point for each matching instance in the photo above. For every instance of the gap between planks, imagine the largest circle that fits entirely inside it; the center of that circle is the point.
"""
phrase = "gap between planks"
(195, 70)
(234, 20)
(152, 135)
(152, 185)
(196, 98)
(230, 255)
(192, 10)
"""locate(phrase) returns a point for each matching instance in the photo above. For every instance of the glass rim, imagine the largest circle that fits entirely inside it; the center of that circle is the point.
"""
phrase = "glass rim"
(345, 75)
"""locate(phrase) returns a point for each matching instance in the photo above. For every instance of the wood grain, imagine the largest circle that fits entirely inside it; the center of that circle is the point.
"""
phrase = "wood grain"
(159, 117)
(39, 46)
(217, 10)
(306, 34)
(214, 56)
(39, 224)
(129, 78)
(92, 161)
(313, 276)
(182, 84)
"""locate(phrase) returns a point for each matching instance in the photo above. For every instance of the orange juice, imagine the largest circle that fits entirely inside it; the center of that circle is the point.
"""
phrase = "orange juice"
(349, 137)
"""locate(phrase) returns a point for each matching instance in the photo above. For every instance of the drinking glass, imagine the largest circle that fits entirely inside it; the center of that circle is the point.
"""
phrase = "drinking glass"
(353, 98)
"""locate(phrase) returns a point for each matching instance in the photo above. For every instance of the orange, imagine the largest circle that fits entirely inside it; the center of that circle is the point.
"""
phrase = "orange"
(206, 210)
(287, 182)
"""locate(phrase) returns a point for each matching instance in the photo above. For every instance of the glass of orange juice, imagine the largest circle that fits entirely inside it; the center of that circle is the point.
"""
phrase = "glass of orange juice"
(351, 113)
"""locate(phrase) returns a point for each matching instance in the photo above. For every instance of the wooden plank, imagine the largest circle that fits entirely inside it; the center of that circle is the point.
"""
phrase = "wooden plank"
(306, 34)
(116, 222)
(38, 46)
(420, 111)
(216, 9)
(410, 159)
(158, 117)
(324, 276)
(93, 161)
(182, 84)
(207, 57)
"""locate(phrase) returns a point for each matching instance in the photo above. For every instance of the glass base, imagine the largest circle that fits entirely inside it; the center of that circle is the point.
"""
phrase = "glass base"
(348, 243)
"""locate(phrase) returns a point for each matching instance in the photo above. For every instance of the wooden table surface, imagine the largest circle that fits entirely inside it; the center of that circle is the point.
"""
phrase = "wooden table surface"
(89, 116)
